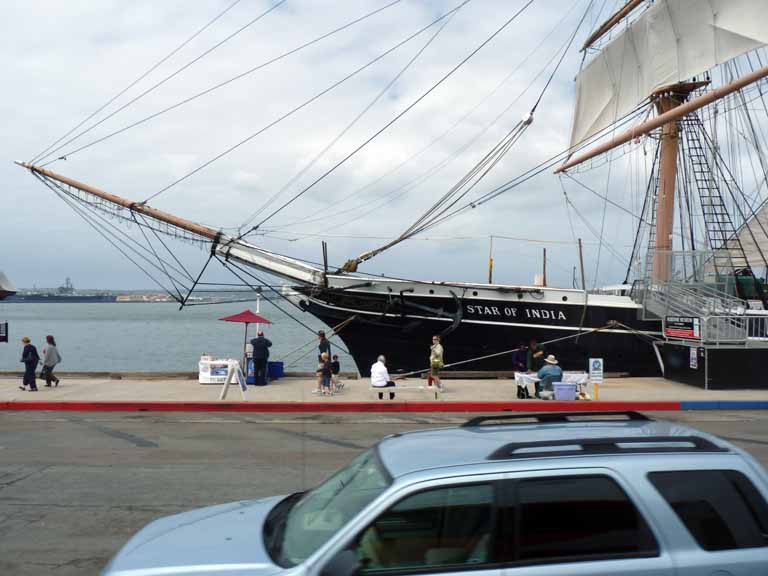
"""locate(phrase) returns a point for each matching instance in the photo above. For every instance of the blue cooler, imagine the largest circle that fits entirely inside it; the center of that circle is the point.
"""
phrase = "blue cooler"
(275, 370)
(564, 391)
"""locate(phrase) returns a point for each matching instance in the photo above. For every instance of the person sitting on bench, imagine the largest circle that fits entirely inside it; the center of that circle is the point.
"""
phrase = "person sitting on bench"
(548, 374)
(380, 377)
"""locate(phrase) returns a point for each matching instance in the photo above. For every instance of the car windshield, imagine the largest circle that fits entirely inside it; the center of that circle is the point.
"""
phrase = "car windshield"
(324, 510)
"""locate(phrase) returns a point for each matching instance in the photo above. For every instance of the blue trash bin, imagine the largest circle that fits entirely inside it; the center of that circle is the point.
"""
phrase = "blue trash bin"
(275, 370)
(250, 369)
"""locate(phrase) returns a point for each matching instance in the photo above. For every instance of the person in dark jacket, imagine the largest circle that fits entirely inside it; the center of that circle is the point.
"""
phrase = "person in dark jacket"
(336, 384)
(31, 359)
(323, 347)
(536, 355)
(520, 358)
(260, 357)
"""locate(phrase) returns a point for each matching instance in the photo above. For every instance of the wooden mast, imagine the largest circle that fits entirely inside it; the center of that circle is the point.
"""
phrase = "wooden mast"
(667, 100)
(611, 22)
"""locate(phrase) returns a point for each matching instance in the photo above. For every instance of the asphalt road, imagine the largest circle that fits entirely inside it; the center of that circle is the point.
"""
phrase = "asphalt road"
(75, 486)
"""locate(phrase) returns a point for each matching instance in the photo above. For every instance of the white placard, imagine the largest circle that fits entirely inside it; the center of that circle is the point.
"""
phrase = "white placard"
(694, 358)
(596, 371)
(234, 376)
(241, 378)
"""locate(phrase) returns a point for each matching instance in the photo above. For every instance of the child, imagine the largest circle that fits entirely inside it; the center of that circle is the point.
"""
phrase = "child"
(335, 369)
(324, 368)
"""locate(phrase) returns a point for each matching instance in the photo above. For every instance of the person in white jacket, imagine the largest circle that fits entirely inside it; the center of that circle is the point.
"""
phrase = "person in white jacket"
(380, 377)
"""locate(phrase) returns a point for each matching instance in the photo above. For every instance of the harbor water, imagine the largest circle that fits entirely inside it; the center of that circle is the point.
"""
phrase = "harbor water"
(156, 336)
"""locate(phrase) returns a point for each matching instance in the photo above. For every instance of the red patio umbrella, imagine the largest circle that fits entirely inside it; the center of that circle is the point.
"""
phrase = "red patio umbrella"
(246, 317)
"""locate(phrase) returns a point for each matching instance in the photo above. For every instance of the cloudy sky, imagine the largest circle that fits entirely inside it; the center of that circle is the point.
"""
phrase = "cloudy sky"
(62, 61)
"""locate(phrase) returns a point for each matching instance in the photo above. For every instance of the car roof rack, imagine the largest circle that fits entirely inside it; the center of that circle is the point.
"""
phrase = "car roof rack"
(602, 446)
(557, 417)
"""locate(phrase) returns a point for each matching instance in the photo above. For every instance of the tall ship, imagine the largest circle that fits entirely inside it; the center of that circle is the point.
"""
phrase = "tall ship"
(676, 88)
(64, 293)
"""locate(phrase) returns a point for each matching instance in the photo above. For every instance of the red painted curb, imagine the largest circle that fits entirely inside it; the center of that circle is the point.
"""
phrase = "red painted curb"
(500, 406)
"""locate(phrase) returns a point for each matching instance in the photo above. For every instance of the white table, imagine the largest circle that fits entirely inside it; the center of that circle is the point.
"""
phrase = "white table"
(214, 370)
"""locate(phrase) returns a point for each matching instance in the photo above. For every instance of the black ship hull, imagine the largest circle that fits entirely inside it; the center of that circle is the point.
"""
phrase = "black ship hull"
(400, 326)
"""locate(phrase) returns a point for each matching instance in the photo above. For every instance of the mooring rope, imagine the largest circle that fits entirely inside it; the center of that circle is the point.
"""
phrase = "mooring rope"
(611, 324)
(334, 332)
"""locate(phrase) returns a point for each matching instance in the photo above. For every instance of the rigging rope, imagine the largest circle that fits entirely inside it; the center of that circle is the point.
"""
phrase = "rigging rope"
(137, 80)
(424, 176)
(101, 229)
(164, 80)
(304, 104)
(228, 264)
(643, 211)
(478, 172)
(96, 213)
(580, 333)
(229, 81)
(397, 117)
(334, 331)
(349, 126)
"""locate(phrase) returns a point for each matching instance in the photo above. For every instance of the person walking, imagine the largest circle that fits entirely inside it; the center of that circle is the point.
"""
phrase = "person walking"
(324, 369)
(31, 359)
(380, 377)
(436, 361)
(51, 357)
(323, 347)
(260, 347)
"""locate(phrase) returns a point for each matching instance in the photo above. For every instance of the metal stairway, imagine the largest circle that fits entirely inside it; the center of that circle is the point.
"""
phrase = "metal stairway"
(728, 253)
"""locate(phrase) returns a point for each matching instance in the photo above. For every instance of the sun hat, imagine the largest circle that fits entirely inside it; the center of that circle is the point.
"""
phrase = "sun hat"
(551, 359)
(26, 340)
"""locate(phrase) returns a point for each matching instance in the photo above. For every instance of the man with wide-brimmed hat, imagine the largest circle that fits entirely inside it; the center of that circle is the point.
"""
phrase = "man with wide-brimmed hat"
(548, 373)
(31, 359)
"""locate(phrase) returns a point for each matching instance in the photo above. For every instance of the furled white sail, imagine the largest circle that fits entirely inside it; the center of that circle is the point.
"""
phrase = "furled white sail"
(672, 41)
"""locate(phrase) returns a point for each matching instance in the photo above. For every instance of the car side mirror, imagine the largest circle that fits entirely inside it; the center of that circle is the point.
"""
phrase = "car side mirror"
(345, 563)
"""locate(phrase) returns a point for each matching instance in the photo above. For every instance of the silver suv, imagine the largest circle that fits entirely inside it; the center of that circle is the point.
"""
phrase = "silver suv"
(576, 494)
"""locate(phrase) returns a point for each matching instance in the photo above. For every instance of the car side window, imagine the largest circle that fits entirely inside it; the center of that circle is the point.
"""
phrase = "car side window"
(442, 527)
(578, 518)
(721, 509)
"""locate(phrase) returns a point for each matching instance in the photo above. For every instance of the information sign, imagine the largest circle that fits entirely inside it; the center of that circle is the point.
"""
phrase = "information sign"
(596, 371)
(3, 331)
(694, 358)
(682, 327)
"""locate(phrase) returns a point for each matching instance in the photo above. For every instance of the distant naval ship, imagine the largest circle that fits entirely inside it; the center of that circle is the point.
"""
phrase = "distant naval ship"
(64, 293)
